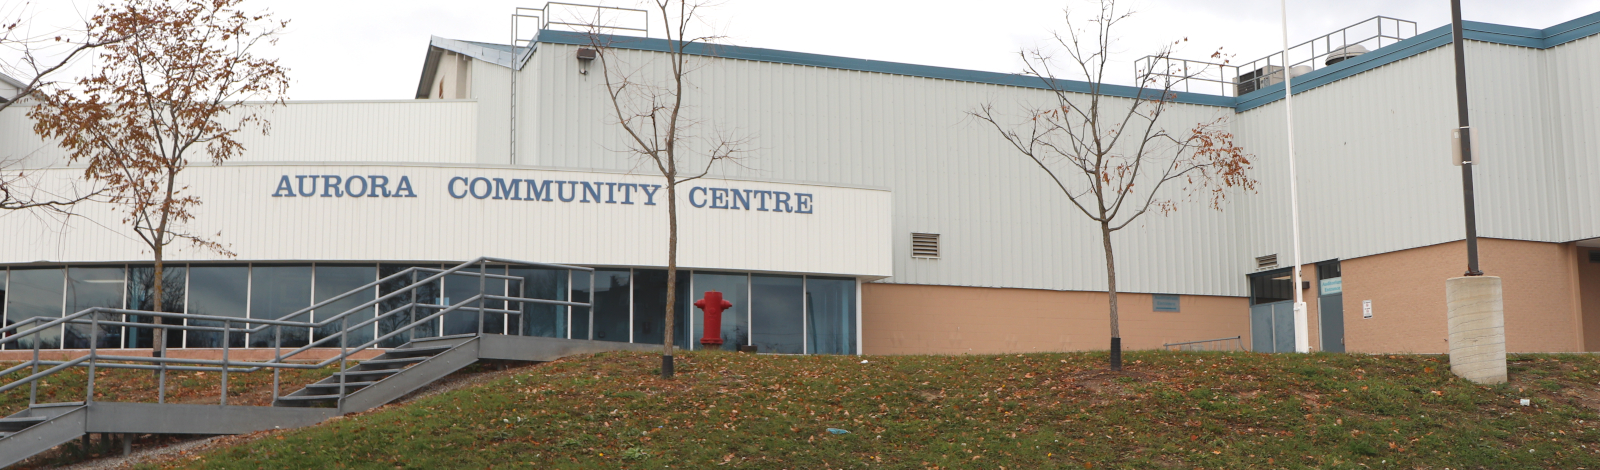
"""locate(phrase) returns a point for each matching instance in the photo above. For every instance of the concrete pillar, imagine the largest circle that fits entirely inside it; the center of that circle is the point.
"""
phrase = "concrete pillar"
(1477, 328)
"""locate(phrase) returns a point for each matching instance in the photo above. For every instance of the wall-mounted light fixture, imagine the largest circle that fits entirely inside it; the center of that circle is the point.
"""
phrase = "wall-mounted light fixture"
(585, 56)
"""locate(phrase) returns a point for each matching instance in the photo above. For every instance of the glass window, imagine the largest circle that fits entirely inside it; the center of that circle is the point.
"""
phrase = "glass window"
(776, 321)
(735, 288)
(89, 287)
(36, 292)
(650, 307)
(399, 320)
(581, 319)
(611, 301)
(218, 290)
(494, 323)
(459, 287)
(1272, 286)
(543, 320)
(141, 296)
(276, 292)
(332, 280)
(831, 315)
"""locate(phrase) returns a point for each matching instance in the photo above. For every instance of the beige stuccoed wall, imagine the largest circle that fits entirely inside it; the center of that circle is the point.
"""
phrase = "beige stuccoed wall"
(1589, 297)
(923, 319)
(1407, 293)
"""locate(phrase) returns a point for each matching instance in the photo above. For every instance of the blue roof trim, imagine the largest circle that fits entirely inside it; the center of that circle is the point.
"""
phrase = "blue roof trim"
(876, 66)
(1563, 33)
(1559, 34)
(1579, 28)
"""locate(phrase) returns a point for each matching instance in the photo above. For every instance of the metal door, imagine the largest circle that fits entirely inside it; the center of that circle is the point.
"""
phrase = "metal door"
(1272, 327)
(1331, 309)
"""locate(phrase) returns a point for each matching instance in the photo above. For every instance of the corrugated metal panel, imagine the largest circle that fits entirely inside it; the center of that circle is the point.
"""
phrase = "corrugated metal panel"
(1001, 222)
(408, 131)
(846, 235)
(1573, 111)
(1374, 154)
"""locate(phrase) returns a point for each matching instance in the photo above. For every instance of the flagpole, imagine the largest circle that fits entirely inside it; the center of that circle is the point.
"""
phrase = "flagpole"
(1302, 331)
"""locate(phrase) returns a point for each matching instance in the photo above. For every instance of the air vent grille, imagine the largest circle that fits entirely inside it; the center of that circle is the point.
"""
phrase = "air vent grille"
(1267, 262)
(925, 245)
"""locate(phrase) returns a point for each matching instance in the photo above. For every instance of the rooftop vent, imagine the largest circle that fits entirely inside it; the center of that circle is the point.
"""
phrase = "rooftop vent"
(1346, 52)
(1267, 262)
(925, 245)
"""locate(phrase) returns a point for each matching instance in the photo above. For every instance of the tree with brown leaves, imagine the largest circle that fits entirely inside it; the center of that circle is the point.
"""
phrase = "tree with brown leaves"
(648, 102)
(1112, 156)
(173, 89)
(40, 57)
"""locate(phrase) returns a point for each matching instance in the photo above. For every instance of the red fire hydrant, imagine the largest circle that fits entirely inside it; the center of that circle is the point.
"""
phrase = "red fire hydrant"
(713, 305)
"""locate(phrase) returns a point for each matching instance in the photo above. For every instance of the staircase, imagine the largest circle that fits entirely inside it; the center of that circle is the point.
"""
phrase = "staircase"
(359, 387)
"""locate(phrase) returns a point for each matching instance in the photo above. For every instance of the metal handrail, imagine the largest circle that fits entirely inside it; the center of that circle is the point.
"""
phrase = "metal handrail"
(279, 360)
(1239, 339)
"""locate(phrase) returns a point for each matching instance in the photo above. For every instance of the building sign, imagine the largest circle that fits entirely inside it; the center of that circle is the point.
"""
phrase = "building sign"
(1366, 309)
(516, 189)
(1332, 286)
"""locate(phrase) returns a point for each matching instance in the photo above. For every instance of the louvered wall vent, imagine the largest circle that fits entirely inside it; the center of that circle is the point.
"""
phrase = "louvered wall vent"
(925, 245)
(1267, 262)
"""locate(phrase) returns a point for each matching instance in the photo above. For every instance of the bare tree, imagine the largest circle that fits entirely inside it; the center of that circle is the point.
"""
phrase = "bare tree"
(173, 89)
(649, 104)
(41, 56)
(1112, 156)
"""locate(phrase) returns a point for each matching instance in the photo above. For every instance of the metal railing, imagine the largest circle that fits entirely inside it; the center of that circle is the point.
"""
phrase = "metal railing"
(1206, 344)
(95, 359)
(1235, 80)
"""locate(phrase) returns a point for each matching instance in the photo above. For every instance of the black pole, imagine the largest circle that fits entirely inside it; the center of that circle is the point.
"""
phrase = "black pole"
(1466, 138)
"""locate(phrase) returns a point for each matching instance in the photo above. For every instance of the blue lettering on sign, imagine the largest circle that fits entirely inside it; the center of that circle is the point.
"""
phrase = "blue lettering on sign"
(342, 186)
(459, 187)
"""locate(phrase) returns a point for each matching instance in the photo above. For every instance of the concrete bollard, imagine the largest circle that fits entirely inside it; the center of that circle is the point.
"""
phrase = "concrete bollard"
(1477, 328)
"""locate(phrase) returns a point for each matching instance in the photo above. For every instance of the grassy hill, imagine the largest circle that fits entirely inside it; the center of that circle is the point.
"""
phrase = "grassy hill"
(1167, 410)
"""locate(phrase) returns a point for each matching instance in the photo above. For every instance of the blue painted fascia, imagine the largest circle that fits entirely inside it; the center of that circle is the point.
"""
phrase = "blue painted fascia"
(1582, 27)
(1559, 34)
(876, 66)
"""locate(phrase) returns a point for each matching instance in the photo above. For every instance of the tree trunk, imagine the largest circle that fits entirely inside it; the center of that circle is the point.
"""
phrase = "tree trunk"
(672, 278)
(1111, 289)
(158, 347)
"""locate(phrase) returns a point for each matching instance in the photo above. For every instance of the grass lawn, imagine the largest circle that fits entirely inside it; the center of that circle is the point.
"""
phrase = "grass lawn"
(1167, 410)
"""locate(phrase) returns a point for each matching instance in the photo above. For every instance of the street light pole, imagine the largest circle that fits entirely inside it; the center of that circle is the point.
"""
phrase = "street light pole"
(1465, 137)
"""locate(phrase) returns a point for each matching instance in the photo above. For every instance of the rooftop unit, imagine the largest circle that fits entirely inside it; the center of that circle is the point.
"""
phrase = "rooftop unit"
(1236, 80)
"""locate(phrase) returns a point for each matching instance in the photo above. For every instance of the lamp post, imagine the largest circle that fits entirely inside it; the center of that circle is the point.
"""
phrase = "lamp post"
(1474, 302)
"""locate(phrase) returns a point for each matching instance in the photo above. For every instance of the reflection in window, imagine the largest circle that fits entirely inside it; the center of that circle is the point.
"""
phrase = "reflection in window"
(36, 293)
(580, 316)
(275, 292)
(831, 315)
(776, 323)
(543, 320)
(611, 300)
(458, 288)
(650, 307)
(735, 288)
(89, 287)
(141, 296)
(333, 280)
(217, 290)
(398, 320)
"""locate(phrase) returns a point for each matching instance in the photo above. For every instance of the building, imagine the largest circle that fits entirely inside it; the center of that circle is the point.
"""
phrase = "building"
(875, 216)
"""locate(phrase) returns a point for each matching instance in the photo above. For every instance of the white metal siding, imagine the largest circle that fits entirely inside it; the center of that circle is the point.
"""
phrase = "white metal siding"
(400, 131)
(1001, 222)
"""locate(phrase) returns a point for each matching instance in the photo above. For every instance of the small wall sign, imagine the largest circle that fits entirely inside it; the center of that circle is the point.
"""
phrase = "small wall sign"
(1332, 286)
(1366, 309)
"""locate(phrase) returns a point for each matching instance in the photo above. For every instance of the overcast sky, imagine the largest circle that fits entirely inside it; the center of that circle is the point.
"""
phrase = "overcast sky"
(348, 49)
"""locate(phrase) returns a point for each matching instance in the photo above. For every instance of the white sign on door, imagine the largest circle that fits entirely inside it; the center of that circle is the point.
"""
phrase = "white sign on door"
(1366, 309)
